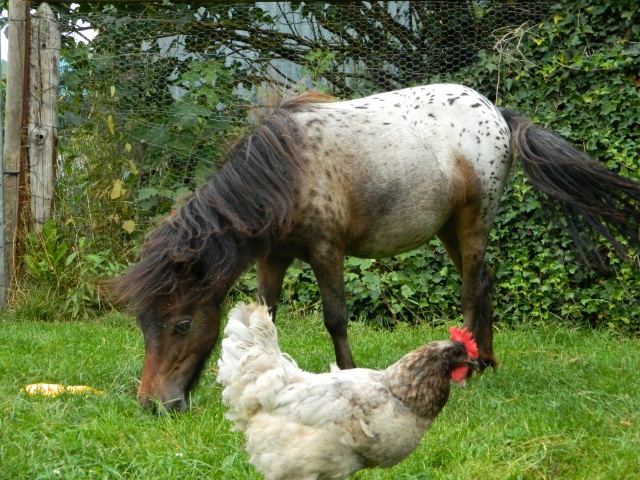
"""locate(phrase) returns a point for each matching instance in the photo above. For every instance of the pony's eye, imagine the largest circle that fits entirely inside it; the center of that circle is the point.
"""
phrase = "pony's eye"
(182, 328)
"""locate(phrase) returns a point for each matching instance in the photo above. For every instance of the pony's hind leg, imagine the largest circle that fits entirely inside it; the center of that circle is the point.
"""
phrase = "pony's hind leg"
(270, 272)
(466, 244)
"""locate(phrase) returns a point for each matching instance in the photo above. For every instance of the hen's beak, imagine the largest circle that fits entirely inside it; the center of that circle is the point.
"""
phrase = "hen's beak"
(473, 363)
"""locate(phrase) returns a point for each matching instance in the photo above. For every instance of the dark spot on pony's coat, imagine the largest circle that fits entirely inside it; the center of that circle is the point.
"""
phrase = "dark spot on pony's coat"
(486, 102)
(476, 105)
(452, 100)
(314, 121)
(431, 115)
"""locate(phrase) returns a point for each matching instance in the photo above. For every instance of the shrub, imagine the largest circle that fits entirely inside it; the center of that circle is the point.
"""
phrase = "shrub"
(70, 273)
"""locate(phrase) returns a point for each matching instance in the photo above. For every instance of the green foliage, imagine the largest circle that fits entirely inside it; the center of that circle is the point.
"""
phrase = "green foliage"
(144, 159)
(417, 286)
(317, 63)
(46, 257)
(70, 271)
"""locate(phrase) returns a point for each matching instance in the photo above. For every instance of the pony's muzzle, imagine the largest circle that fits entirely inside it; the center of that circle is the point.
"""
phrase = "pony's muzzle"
(171, 404)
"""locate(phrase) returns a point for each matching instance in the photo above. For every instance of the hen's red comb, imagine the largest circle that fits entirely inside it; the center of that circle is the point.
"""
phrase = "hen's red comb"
(465, 337)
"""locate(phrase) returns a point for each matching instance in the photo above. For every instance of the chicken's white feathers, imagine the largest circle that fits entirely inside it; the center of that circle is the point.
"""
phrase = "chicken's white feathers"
(252, 367)
(325, 426)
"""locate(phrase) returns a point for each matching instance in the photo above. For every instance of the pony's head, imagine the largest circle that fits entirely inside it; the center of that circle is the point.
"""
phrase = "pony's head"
(191, 260)
(174, 291)
(177, 344)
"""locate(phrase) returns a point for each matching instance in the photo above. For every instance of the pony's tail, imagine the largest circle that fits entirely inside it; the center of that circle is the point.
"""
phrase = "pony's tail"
(585, 191)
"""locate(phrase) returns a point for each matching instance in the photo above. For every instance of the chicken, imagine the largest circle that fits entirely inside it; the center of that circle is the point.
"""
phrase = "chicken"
(301, 425)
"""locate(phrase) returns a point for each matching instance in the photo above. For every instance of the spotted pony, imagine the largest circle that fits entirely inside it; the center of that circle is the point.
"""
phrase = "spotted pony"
(319, 179)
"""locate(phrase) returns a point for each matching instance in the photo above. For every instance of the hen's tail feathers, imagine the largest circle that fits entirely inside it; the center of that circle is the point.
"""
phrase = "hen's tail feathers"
(252, 369)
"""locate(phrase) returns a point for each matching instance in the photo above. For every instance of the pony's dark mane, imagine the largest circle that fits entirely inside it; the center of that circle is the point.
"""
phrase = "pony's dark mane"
(199, 251)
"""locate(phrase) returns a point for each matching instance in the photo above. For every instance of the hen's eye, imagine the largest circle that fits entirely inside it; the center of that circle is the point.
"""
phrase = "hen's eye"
(182, 328)
(458, 351)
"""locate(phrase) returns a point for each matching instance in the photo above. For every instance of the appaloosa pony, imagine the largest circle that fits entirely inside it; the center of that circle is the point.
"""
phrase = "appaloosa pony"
(374, 177)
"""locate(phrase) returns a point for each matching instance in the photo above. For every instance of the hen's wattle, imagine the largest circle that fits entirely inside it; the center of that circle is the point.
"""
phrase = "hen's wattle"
(459, 374)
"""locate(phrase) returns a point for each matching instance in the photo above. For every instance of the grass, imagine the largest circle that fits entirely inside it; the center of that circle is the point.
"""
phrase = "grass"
(565, 404)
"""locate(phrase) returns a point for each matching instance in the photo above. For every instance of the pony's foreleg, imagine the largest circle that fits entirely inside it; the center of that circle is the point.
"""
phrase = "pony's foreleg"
(270, 272)
(328, 268)
(467, 248)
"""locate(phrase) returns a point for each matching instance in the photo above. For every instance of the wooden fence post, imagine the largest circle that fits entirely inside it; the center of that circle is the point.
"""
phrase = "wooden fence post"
(14, 119)
(43, 113)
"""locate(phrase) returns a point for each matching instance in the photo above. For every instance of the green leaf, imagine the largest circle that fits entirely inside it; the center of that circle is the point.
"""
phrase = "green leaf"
(145, 193)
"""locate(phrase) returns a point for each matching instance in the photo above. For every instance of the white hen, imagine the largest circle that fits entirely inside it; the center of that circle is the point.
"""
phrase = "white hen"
(300, 425)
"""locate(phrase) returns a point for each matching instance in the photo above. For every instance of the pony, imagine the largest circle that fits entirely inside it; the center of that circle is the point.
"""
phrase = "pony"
(319, 179)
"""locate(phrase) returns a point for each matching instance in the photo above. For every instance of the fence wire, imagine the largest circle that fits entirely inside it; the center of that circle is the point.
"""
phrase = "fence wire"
(151, 94)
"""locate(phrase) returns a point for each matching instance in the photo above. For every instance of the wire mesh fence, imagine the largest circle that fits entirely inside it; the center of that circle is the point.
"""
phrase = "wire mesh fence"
(151, 95)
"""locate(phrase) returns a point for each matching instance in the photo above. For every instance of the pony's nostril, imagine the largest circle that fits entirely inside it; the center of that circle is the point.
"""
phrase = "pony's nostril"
(179, 406)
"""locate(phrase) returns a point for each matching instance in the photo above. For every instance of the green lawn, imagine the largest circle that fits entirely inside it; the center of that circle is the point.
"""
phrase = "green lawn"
(565, 404)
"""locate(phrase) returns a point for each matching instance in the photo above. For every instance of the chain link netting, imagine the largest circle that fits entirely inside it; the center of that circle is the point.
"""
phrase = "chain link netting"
(151, 95)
